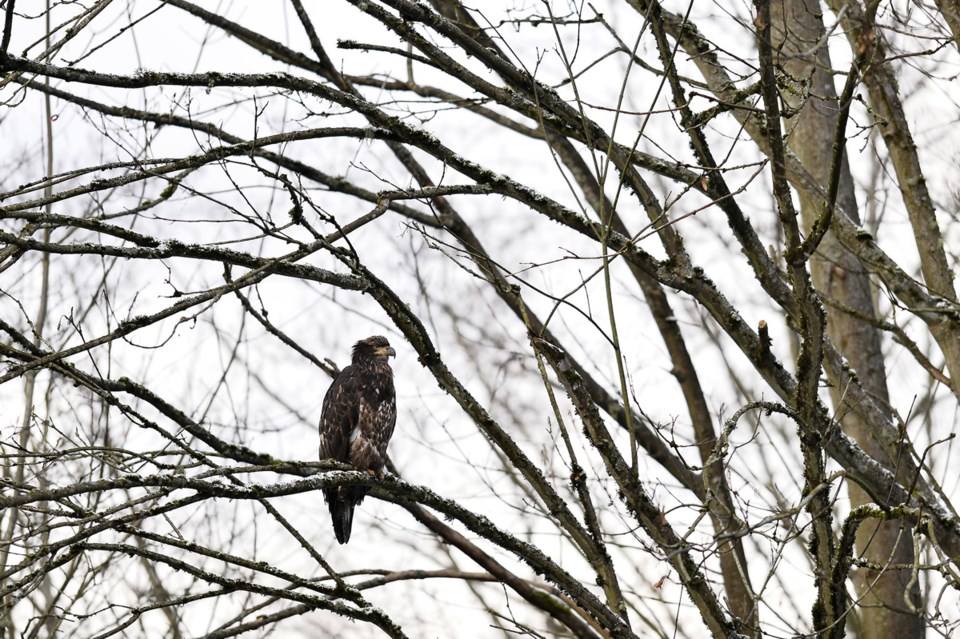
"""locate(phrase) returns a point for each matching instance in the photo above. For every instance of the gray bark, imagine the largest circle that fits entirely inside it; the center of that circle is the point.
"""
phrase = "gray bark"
(840, 276)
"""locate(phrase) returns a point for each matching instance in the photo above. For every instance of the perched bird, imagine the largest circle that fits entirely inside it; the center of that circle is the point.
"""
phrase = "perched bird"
(359, 413)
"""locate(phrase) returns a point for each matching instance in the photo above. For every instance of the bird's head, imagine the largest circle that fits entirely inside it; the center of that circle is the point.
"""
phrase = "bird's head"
(376, 347)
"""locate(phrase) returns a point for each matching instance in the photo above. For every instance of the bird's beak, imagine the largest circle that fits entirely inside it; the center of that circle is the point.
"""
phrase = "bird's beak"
(387, 352)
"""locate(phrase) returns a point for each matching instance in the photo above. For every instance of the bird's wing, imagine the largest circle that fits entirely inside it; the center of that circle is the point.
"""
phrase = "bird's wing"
(376, 418)
(339, 416)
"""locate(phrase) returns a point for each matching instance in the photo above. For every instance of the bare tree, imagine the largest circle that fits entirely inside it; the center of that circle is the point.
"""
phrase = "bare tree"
(668, 363)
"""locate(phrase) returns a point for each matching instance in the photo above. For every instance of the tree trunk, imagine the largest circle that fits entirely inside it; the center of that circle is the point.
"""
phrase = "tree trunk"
(843, 282)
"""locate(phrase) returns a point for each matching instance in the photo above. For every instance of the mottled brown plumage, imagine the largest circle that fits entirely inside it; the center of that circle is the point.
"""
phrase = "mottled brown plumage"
(359, 413)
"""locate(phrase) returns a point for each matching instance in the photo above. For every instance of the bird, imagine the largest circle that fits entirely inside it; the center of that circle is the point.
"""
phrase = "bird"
(356, 423)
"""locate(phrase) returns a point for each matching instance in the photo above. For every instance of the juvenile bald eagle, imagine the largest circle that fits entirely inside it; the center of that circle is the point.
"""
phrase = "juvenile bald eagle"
(359, 412)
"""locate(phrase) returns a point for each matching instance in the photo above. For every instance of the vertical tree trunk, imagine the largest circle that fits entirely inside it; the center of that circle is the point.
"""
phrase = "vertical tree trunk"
(839, 276)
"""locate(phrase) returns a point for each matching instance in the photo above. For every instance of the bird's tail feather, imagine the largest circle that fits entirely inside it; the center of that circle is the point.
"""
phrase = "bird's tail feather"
(341, 512)
(342, 502)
